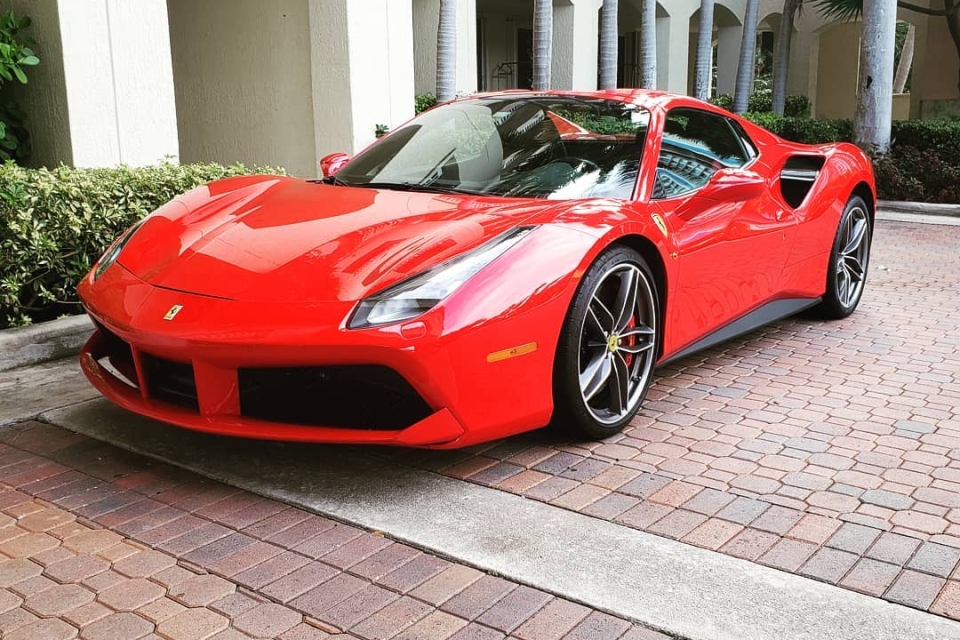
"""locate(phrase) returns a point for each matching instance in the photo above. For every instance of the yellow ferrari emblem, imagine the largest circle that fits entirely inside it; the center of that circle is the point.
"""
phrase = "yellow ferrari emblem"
(174, 310)
(613, 343)
(657, 220)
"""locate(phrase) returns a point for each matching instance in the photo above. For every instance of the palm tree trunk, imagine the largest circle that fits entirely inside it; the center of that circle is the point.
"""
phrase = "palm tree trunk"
(701, 84)
(648, 44)
(542, 43)
(748, 54)
(781, 62)
(872, 119)
(906, 60)
(447, 51)
(609, 44)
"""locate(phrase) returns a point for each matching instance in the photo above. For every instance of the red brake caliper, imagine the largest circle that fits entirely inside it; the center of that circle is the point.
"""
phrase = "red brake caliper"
(630, 341)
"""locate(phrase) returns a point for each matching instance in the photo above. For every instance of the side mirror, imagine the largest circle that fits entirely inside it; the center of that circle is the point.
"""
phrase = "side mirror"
(734, 185)
(329, 165)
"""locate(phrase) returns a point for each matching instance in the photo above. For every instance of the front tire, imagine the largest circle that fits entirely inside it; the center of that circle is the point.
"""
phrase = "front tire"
(607, 347)
(849, 259)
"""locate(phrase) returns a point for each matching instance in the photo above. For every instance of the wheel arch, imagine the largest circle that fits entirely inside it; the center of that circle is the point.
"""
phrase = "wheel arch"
(651, 254)
(864, 190)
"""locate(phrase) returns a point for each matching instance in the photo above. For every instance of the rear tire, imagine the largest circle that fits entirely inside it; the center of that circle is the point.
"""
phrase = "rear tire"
(849, 261)
(607, 347)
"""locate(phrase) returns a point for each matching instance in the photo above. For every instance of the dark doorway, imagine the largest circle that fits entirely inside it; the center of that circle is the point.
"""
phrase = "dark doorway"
(524, 58)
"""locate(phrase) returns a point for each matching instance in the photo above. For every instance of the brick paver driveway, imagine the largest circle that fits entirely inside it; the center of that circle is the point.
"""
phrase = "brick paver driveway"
(831, 450)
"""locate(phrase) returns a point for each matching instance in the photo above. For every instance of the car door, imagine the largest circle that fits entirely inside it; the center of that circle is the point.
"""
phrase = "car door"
(731, 247)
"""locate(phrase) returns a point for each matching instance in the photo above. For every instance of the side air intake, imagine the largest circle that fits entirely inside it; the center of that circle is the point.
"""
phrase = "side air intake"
(797, 178)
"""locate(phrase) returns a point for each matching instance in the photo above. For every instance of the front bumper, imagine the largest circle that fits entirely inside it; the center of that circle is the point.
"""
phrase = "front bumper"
(469, 396)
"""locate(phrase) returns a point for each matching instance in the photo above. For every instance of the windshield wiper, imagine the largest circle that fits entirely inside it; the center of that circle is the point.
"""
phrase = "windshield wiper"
(413, 186)
(334, 180)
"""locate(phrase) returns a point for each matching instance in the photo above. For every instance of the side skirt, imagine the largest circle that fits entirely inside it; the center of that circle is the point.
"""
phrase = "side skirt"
(764, 315)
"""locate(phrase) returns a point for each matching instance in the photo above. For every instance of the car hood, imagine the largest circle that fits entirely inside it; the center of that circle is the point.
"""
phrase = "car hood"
(282, 239)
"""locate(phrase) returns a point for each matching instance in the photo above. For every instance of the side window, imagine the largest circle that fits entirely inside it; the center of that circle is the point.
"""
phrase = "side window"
(745, 140)
(696, 144)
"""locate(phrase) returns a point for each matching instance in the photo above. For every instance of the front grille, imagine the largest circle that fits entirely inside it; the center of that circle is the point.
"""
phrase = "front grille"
(171, 381)
(117, 348)
(351, 397)
(118, 357)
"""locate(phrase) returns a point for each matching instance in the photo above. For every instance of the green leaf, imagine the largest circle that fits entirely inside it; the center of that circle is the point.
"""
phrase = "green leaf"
(21, 76)
(841, 10)
(30, 61)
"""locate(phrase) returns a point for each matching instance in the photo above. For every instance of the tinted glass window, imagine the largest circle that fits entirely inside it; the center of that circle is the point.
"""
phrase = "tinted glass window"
(522, 146)
(748, 145)
(696, 144)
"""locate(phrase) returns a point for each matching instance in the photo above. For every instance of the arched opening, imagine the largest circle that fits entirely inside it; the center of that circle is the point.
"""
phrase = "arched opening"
(768, 30)
(631, 43)
(727, 32)
(505, 44)
(903, 69)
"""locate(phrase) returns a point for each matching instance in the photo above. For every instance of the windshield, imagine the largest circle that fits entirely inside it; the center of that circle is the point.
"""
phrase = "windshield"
(532, 147)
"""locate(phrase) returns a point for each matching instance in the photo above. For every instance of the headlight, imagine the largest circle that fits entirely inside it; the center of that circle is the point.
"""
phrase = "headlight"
(111, 255)
(421, 293)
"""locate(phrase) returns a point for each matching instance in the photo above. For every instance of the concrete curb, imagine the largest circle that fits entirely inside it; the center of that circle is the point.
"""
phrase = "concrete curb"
(923, 208)
(43, 342)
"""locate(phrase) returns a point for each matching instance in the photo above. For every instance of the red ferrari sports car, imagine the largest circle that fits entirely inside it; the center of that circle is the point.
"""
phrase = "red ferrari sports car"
(496, 264)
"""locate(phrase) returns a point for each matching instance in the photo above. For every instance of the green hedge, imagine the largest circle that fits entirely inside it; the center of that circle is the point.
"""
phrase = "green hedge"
(804, 130)
(54, 224)
(923, 164)
(762, 101)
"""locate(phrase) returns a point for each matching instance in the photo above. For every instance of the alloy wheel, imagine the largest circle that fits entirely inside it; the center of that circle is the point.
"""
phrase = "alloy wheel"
(617, 343)
(853, 256)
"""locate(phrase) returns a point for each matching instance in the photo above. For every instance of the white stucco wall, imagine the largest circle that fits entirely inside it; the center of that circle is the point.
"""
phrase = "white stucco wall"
(88, 70)
(575, 44)
(243, 85)
(426, 17)
(119, 83)
(143, 80)
(362, 70)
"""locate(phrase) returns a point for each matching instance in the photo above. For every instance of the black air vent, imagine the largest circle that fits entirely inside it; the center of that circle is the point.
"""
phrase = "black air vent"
(351, 397)
(171, 381)
(797, 178)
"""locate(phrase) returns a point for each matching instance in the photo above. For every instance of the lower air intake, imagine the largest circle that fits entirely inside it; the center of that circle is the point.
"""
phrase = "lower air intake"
(370, 397)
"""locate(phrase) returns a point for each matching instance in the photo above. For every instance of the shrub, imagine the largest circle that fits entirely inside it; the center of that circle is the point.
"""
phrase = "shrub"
(16, 54)
(941, 136)
(54, 224)
(762, 101)
(804, 130)
(724, 101)
(424, 101)
(923, 164)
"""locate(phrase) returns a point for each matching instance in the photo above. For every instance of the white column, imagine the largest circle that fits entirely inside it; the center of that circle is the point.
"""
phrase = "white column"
(362, 69)
(673, 53)
(576, 33)
(466, 46)
(118, 77)
(728, 58)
